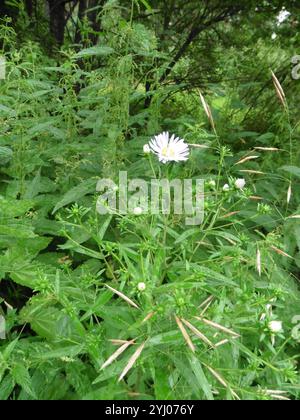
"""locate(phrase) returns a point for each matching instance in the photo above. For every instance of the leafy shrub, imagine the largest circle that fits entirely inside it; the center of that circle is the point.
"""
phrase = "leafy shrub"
(191, 309)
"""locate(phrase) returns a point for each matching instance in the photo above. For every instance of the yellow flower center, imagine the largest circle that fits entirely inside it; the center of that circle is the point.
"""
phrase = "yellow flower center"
(171, 152)
(164, 151)
(168, 152)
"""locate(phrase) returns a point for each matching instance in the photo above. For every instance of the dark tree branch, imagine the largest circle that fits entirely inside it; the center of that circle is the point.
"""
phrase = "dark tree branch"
(194, 33)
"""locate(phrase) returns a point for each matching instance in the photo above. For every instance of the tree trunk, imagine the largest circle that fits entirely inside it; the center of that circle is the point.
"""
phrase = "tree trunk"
(57, 20)
(93, 18)
(29, 7)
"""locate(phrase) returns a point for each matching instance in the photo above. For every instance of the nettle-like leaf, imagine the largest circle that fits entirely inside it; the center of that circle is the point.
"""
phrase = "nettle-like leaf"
(22, 377)
(52, 323)
(6, 155)
(86, 187)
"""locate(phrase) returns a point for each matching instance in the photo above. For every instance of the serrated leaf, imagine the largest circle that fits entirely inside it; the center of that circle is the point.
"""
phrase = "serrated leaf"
(6, 387)
(6, 155)
(76, 193)
(21, 376)
(95, 51)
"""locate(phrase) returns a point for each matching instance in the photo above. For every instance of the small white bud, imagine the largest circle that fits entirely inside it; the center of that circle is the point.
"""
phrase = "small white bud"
(240, 183)
(141, 286)
(226, 187)
(212, 183)
(275, 326)
(137, 211)
(146, 149)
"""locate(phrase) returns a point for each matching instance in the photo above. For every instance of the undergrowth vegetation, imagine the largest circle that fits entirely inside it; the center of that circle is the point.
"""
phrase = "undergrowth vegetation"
(193, 312)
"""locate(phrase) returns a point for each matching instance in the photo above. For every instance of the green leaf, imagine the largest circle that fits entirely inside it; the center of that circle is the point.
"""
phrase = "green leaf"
(21, 376)
(52, 323)
(14, 208)
(200, 376)
(146, 4)
(184, 369)
(6, 387)
(9, 349)
(161, 384)
(47, 127)
(33, 188)
(185, 235)
(76, 193)
(95, 51)
(7, 112)
(17, 230)
(294, 170)
(64, 351)
(104, 226)
(5, 155)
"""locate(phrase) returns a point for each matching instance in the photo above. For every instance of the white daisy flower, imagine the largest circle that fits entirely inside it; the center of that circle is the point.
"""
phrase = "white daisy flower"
(169, 149)
(275, 326)
(240, 183)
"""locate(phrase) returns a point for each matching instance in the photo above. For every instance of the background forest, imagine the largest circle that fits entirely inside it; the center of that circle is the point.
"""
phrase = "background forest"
(139, 306)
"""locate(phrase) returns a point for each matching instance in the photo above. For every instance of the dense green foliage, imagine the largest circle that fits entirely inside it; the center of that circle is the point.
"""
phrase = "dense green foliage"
(73, 115)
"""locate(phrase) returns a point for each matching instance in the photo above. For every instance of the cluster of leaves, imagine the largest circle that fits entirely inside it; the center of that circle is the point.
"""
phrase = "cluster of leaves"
(69, 277)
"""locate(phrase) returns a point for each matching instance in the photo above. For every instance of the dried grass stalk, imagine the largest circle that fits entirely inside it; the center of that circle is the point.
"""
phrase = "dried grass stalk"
(279, 91)
(123, 296)
(199, 146)
(222, 381)
(222, 343)
(116, 354)
(279, 397)
(233, 213)
(208, 300)
(280, 252)
(267, 149)
(198, 333)
(207, 110)
(246, 159)
(276, 392)
(258, 261)
(256, 198)
(218, 377)
(250, 171)
(206, 308)
(217, 326)
(149, 316)
(117, 342)
(185, 334)
(295, 216)
(132, 361)
(289, 194)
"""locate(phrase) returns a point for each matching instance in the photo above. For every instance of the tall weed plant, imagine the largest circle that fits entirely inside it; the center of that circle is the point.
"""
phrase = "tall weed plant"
(141, 306)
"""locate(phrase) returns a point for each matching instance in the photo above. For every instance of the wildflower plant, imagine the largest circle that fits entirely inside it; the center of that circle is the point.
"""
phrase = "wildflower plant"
(139, 304)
